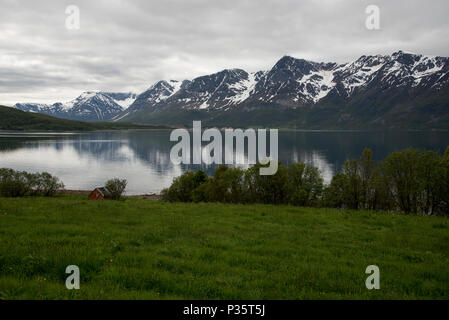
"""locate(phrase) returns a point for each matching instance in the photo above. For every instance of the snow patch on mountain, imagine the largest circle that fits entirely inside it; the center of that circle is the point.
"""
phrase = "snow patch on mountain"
(243, 88)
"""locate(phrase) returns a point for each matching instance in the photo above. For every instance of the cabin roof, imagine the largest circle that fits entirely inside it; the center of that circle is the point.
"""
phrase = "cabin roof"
(103, 190)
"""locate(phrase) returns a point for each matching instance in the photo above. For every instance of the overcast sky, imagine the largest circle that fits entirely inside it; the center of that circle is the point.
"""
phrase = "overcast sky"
(127, 45)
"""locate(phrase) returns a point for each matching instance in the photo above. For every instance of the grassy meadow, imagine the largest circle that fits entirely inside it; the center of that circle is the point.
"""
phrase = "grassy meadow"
(143, 249)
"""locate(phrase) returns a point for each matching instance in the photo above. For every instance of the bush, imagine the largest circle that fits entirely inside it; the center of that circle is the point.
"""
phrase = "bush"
(444, 190)
(227, 185)
(271, 189)
(13, 183)
(411, 181)
(305, 185)
(334, 193)
(44, 184)
(116, 187)
(17, 184)
(202, 193)
(183, 186)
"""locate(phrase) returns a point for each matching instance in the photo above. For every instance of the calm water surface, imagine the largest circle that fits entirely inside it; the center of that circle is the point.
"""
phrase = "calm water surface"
(86, 160)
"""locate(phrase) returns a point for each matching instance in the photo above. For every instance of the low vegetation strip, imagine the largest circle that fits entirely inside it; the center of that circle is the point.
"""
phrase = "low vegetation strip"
(140, 249)
(17, 120)
(410, 181)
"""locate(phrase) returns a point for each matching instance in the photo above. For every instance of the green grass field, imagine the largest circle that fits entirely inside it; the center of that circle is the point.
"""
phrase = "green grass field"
(143, 249)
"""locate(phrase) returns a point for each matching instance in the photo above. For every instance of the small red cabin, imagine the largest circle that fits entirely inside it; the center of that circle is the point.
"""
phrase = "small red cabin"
(99, 194)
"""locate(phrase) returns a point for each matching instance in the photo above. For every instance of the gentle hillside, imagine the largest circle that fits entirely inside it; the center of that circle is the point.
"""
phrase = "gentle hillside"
(144, 249)
(13, 119)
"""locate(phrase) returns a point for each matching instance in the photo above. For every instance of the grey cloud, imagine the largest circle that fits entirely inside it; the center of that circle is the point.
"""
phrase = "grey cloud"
(129, 44)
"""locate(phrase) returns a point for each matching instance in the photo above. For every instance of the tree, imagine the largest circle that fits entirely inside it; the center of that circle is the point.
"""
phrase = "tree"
(381, 198)
(13, 183)
(182, 188)
(431, 171)
(401, 170)
(116, 187)
(366, 168)
(444, 187)
(266, 189)
(334, 193)
(305, 185)
(352, 185)
(227, 185)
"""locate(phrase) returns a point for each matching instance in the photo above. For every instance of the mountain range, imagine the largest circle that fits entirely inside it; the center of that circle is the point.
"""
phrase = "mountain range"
(401, 90)
(89, 106)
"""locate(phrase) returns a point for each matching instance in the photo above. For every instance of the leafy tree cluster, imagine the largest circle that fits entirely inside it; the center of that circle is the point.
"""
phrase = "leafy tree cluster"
(410, 181)
(116, 187)
(20, 183)
(299, 184)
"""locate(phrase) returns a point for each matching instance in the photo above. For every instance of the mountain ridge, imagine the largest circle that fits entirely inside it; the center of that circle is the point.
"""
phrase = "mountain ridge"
(89, 106)
(400, 90)
(316, 95)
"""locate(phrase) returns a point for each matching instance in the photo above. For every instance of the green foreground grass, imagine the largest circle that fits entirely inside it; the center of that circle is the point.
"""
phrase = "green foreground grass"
(142, 249)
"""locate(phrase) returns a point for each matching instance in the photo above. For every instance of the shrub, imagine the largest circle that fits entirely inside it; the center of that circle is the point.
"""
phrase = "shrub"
(13, 183)
(227, 185)
(116, 187)
(430, 172)
(381, 196)
(411, 181)
(405, 174)
(334, 193)
(367, 169)
(181, 190)
(202, 193)
(271, 189)
(444, 190)
(305, 185)
(43, 184)
(17, 184)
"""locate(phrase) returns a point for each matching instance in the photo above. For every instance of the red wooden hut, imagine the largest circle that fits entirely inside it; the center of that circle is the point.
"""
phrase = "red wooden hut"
(99, 194)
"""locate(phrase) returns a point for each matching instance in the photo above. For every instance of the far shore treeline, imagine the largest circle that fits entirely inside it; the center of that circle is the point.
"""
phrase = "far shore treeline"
(410, 181)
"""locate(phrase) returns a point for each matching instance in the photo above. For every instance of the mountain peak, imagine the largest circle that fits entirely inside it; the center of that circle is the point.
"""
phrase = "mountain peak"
(290, 83)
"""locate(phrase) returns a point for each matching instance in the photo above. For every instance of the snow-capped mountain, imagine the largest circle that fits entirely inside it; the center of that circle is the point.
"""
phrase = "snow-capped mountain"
(219, 90)
(89, 106)
(394, 90)
(392, 81)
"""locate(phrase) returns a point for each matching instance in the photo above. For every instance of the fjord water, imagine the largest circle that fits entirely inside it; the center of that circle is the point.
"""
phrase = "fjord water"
(86, 160)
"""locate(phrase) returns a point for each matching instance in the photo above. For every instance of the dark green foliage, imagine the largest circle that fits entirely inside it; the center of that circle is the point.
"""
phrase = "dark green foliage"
(415, 179)
(17, 184)
(381, 196)
(267, 188)
(411, 181)
(227, 185)
(43, 184)
(116, 187)
(183, 187)
(444, 190)
(14, 119)
(305, 185)
(352, 185)
(13, 183)
(402, 176)
(334, 194)
(367, 172)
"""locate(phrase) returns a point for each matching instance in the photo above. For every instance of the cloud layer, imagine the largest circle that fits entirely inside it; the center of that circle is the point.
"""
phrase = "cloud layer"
(126, 45)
